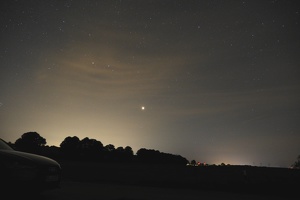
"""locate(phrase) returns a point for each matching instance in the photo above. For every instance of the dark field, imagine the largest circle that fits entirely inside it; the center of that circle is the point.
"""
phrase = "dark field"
(243, 180)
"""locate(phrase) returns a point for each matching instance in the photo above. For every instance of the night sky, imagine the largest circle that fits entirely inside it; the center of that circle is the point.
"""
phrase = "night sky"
(215, 81)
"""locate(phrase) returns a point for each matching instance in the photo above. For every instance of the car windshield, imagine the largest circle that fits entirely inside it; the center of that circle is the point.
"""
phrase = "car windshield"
(4, 145)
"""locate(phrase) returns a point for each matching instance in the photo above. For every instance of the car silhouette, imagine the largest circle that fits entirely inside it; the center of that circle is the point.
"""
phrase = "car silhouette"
(26, 171)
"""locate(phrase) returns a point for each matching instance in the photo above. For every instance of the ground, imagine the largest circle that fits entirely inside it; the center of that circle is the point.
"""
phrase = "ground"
(115, 181)
(88, 191)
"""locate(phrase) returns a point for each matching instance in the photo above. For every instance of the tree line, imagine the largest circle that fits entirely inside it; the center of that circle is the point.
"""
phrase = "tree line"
(87, 149)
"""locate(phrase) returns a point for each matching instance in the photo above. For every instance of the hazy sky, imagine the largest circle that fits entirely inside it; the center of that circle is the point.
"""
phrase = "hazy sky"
(219, 80)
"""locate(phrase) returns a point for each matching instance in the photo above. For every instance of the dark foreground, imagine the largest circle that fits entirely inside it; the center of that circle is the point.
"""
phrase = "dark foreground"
(99, 191)
(263, 181)
(81, 180)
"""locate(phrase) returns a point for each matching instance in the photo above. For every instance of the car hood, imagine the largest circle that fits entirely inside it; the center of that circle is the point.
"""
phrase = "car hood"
(42, 160)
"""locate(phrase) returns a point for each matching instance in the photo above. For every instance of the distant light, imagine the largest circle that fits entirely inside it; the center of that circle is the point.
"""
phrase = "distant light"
(143, 107)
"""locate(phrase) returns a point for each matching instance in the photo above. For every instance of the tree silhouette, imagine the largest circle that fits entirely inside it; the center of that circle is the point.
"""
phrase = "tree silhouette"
(109, 152)
(30, 142)
(147, 155)
(70, 147)
(155, 156)
(109, 147)
(297, 163)
(193, 162)
(119, 154)
(91, 149)
(128, 153)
